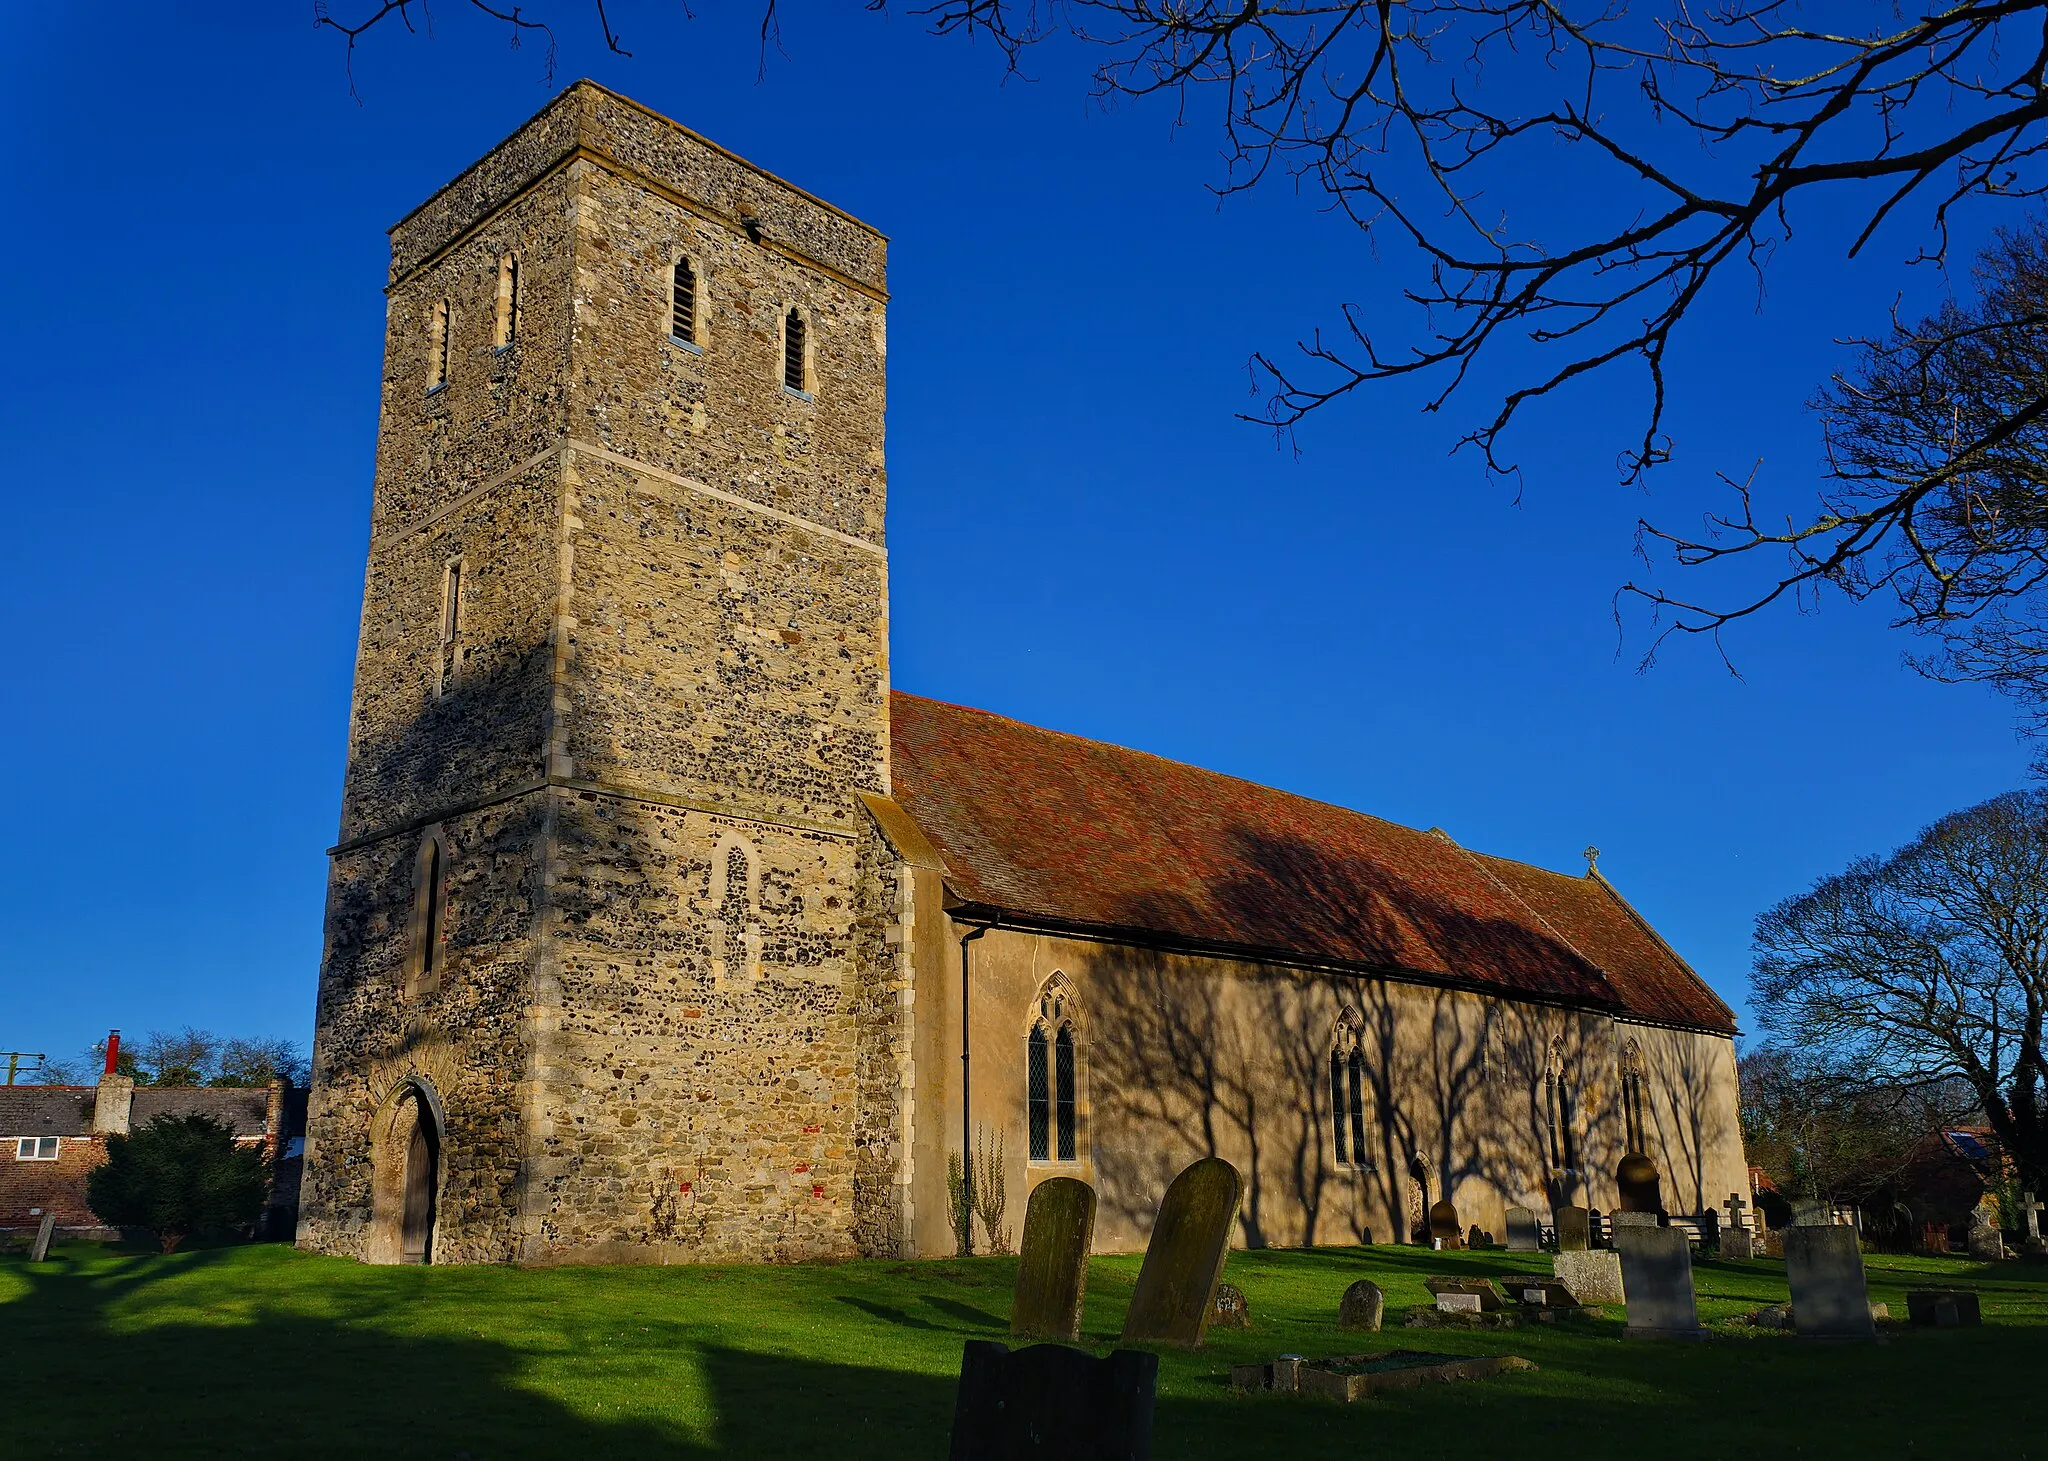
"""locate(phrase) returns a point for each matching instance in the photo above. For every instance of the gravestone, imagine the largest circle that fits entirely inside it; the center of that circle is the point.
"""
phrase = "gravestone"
(1934, 1238)
(1230, 1309)
(1443, 1224)
(1987, 1243)
(1536, 1291)
(1640, 1184)
(1627, 1219)
(1362, 1307)
(1523, 1234)
(1656, 1282)
(1053, 1402)
(1480, 1289)
(1710, 1231)
(1946, 1308)
(1811, 1212)
(1574, 1229)
(1830, 1298)
(2032, 1244)
(1052, 1260)
(1593, 1275)
(1735, 1240)
(40, 1249)
(1455, 1303)
(1184, 1259)
(1478, 1238)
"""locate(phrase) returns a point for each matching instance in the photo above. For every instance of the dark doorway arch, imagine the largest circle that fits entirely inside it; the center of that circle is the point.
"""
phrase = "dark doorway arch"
(422, 1171)
(1418, 1202)
(406, 1143)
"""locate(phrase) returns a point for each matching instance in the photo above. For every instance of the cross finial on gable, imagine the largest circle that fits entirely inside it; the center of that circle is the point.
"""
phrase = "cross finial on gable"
(1592, 861)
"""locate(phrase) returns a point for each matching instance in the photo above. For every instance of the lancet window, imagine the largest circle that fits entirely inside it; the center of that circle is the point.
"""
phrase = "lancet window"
(1052, 1075)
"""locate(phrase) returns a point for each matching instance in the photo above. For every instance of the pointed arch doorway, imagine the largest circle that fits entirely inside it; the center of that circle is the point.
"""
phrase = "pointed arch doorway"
(422, 1163)
(406, 1146)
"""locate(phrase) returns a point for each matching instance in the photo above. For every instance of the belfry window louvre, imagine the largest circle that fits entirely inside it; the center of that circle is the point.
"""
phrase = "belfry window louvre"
(1040, 1102)
(793, 351)
(682, 308)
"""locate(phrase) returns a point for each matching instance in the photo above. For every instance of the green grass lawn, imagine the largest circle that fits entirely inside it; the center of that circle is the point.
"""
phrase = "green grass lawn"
(265, 1351)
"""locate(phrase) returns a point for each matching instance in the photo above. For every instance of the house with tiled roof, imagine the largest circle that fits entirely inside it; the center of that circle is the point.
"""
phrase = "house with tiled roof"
(660, 928)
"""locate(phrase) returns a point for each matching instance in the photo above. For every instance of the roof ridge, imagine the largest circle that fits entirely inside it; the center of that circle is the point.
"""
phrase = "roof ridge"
(1047, 730)
(1480, 858)
(1594, 875)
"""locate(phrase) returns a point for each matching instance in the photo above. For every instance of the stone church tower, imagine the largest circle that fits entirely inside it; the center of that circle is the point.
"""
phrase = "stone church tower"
(602, 976)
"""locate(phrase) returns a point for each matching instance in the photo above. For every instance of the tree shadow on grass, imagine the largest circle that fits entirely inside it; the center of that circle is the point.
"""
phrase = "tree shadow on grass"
(886, 1313)
(352, 1383)
(966, 1314)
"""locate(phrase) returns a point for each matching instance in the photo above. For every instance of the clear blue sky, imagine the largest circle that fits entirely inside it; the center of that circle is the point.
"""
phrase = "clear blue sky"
(1081, 534)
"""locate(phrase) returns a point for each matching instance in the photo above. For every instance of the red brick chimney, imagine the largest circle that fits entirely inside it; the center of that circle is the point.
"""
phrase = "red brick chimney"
(113, 1053)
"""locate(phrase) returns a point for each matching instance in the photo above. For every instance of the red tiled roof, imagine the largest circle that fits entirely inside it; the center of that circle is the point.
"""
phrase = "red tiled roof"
(1081, 834)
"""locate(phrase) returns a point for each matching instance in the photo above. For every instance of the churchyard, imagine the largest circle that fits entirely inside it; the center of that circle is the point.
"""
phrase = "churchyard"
(263, 1350)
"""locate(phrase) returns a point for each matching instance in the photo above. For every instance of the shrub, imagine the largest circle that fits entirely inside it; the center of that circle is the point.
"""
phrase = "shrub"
(177, 1176)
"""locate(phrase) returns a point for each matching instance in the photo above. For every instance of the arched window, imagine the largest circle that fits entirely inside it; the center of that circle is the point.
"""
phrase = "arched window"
(437, 346)
(793, 330)
(735, 912)
(682, 303)
(1052, 1076)
(1633, 1125)
(427, 958)
(1347, 1098)
(1559, 1108)
(506, 326)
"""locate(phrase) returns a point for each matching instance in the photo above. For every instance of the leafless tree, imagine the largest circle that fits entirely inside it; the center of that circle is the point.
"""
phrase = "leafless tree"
(1692, 135)
(1821, 1131)
(1927, 967)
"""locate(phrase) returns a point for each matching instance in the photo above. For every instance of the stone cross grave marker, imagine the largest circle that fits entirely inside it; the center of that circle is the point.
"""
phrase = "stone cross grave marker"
(1592, 1274)
(1523, 1234)
(1656, 1281)
(1574, 1229)
(2030, 1210)
(1987, 1244)
(1830, 1299)
(1362, 1307)
(1052, 1260)
(1184, 1259)
(1053, 1402)
(40, 1249)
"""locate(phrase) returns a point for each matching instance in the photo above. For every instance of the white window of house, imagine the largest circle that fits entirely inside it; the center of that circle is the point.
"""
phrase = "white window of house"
(35, 1148)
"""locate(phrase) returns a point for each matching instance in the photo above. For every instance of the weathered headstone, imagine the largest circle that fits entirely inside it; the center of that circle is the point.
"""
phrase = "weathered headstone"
(1452, 1303)
(1830, 1298)
(2030, 1213)
(1574, 1229)
(1656, 1282)
(1051, 1401)
(1362, 1307)
(1628, 1219)
(1738, 1245)
(1934, 1238)
(1987, 1243)
(1811, 1212)
(1443, 1224)
(1184, 1259)
(1230, 1309)
(1523, 1234)
(1477, 1237)
(1593, 1275)
(1535, 1290)
(1640, 1184)
(1481, 1289)
(1709, 1223)
(1947, 1308)
(40, 1249)
(1052, 1260)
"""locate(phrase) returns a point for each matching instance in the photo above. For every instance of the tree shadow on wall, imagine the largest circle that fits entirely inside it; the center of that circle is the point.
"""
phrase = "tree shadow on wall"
(352, 1384)
(1241, 1068)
